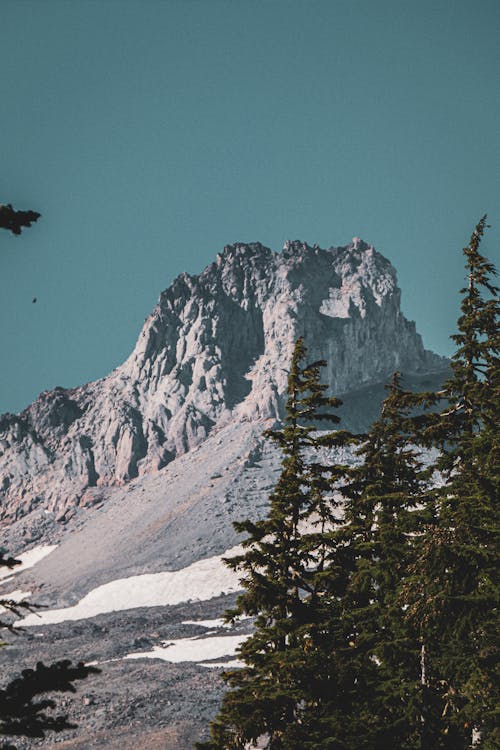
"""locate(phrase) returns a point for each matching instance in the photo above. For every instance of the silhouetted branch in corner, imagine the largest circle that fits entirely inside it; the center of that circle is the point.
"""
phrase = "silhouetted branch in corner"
(26, 708)
(13, 220)
(11, 605)
(23, 710)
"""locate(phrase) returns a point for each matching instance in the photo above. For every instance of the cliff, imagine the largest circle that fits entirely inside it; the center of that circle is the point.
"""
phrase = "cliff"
(214, 350)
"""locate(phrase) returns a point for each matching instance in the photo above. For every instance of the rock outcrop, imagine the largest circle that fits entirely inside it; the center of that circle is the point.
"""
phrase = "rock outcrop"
(215, 349)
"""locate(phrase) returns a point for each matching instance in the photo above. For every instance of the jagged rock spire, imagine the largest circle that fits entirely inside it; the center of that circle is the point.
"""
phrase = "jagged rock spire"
(215, 348)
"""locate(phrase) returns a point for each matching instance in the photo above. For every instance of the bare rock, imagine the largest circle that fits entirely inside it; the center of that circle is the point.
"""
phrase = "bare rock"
(214, 350)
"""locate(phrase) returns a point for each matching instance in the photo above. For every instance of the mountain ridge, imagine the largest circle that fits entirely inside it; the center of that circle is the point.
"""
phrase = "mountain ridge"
(215, 349)
(143, 472)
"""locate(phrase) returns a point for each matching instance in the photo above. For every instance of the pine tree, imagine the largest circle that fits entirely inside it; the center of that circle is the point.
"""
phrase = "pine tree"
(287, 673)
(25, 708)
(13, 220)
(379, 632)
(454, 594)
(381, 656)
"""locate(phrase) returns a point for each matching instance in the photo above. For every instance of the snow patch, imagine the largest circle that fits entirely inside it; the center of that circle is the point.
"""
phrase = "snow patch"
(193, 649)
(200, 581)
(16, 596)
(218, 623)
(28, 560)
(234, 664)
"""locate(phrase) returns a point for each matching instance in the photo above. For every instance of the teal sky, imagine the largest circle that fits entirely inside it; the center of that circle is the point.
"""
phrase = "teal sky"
(150, 134)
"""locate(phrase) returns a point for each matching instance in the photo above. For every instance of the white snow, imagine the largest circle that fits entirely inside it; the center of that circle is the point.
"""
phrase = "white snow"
(193, 649)
(28, 560)
(200, 581)
(218, 623)
(16, 596)
(234, 664)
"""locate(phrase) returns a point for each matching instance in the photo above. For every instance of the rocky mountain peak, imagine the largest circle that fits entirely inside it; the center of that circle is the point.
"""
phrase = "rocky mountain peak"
(215, 349)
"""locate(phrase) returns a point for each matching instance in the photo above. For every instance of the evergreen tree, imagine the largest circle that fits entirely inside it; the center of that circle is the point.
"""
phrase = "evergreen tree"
(25, 708)
(285, 675)
(13, 220)
(382, 656)
(453, 596)
(379, 631)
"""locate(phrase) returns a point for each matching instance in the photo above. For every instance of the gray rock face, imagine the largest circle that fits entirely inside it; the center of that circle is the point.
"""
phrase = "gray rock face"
(214, 350)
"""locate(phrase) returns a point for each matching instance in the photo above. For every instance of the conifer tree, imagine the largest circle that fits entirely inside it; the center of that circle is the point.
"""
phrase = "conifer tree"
(13, 220)
(453, 596)
(26, 710)
(285, 674)
(381, 655)
(379, 631)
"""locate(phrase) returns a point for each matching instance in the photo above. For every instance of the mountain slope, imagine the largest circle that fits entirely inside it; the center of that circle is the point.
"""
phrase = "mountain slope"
(214, 351)
(124, 490)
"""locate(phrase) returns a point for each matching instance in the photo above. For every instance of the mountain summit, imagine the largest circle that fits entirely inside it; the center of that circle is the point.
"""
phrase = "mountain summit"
(214, 350)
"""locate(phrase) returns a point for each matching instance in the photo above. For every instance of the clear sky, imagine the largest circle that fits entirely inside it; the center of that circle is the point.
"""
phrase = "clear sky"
(150, 134)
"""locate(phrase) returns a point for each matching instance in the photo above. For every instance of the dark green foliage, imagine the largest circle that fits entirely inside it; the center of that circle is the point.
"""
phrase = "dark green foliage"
(453, 595)
(380, 519)
(286, 676)
(376, 630)
(11, 606)
(23, 707)
(23, 710)
(13, 220)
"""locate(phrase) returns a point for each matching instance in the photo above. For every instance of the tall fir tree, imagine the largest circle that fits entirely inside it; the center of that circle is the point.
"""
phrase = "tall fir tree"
(381, 655)
(380, 631)
(453, 596)
(286, 676)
